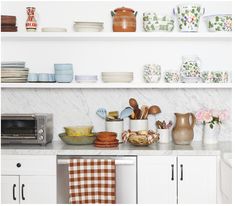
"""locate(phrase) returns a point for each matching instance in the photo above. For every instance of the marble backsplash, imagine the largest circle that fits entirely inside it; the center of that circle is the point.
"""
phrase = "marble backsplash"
(78, 106)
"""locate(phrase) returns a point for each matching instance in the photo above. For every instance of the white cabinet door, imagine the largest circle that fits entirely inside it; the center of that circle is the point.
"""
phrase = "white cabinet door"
(157, 179)
(196, 179)
(10, 189)
(38, 189)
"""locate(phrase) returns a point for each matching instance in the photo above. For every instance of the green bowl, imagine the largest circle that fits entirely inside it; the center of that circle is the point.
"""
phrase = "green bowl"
(77, 140)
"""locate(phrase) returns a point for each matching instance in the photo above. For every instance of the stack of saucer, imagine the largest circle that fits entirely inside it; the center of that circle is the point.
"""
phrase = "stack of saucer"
(114, 77)
(106, 139)
(86, 78)
(14, 72)
(88, 26)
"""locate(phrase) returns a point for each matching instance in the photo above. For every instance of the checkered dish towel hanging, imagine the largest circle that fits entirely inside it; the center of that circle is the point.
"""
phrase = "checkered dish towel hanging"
(92, 181)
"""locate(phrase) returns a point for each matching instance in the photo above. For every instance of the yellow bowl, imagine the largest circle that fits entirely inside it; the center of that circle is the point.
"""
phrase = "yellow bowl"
(78, 130)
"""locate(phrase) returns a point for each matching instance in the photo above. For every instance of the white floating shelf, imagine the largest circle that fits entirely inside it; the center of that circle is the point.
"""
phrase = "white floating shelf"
(112, 35)
(115, 85)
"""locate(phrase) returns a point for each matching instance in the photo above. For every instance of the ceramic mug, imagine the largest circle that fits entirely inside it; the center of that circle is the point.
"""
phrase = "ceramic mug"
(32, 77)
(171, 76)
(138, 124)
(115, 126)
(152, 73)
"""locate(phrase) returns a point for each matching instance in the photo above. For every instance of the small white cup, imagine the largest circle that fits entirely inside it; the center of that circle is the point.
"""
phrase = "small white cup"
(164, 135)
(115, 126)
(138, 124)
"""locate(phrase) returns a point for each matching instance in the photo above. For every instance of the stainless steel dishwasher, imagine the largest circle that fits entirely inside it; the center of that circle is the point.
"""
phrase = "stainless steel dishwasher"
(126, 178)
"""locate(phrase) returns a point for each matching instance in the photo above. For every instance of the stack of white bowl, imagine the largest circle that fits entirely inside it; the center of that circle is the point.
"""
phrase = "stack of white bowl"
(117, 77)
(88, 26)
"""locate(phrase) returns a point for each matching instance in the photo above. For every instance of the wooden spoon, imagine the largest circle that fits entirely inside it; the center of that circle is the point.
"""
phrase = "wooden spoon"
(154, 109)
(133, 103)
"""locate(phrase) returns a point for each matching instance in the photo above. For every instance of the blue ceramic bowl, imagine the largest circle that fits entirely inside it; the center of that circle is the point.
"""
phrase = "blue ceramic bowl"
(43, 77)
(59, 67)
(32, 77)
(64, 78)
(62, 72)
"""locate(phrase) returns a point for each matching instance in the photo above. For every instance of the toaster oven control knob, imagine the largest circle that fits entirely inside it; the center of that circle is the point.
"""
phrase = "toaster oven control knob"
(18, 165)
(41, 137)
(40, 131)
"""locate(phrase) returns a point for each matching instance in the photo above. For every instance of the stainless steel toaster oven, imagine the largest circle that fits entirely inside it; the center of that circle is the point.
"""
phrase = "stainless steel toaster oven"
(26, 128)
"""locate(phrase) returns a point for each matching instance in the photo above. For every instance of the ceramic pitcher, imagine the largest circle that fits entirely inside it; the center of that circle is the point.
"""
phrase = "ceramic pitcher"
(182, 132)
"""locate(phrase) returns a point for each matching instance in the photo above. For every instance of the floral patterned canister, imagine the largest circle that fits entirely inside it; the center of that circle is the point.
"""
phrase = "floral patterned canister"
(31, 23)
(152, 73)
(188, 16)
(153, 22)
(220, 77)
(220, 22)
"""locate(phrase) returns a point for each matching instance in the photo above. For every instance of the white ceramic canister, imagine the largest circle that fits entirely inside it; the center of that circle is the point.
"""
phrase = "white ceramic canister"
(164, 135)
(210, 136)
(138, 124)
(115, 126)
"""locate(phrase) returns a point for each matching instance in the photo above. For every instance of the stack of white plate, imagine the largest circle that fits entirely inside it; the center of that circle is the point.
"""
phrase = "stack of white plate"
(117, 77)
(88, 26)
(14, 72)
(53, 29)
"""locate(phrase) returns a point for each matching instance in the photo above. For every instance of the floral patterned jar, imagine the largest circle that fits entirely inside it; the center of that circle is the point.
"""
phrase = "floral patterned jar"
(171, 76)
(188, 16)
(152, 73)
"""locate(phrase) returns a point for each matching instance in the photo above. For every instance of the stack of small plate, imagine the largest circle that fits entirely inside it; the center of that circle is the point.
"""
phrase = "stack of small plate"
(112, 77)
(86, 78)
(53, 29)
(14, 72)
(88, 26)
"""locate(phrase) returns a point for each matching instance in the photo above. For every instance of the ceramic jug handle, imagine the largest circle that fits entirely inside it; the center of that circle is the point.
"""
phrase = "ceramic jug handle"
(198, 60)
(112, 13)
(193, 119)
(203, 11)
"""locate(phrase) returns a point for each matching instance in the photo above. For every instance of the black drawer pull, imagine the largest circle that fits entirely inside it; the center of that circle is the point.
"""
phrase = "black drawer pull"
(181, 172)
(22, 192)
(172, 172)
(14, 194)
(18, 165)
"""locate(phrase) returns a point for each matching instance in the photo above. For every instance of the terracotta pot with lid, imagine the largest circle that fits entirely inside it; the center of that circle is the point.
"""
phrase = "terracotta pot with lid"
(124, 20)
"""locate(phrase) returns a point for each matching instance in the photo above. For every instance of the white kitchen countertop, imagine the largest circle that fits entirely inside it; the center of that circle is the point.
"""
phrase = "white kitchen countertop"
(59, 148)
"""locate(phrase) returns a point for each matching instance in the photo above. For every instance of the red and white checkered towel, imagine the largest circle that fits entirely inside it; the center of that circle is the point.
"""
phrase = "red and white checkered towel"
(92, 181)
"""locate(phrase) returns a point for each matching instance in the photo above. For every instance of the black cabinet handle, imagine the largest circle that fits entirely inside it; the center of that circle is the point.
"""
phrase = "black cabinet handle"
(181, 172)
(14, 194)
(18, 165)
(22, 192)
(172, 172)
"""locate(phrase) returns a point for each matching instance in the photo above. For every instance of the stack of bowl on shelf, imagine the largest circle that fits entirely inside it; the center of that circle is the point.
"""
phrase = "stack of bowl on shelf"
(88, 26)
(14, 72)
(63, 73)
(41, 78)
(117, 77)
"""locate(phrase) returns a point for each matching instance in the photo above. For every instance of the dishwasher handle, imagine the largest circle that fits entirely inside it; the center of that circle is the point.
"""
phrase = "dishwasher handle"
(117, 162)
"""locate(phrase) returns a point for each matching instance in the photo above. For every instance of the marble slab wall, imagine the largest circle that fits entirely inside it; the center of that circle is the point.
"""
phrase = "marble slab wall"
(78, 106)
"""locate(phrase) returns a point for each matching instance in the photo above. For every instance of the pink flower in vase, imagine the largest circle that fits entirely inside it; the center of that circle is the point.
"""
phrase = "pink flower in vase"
(223, 115)
(207, 116)
(199, 116)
